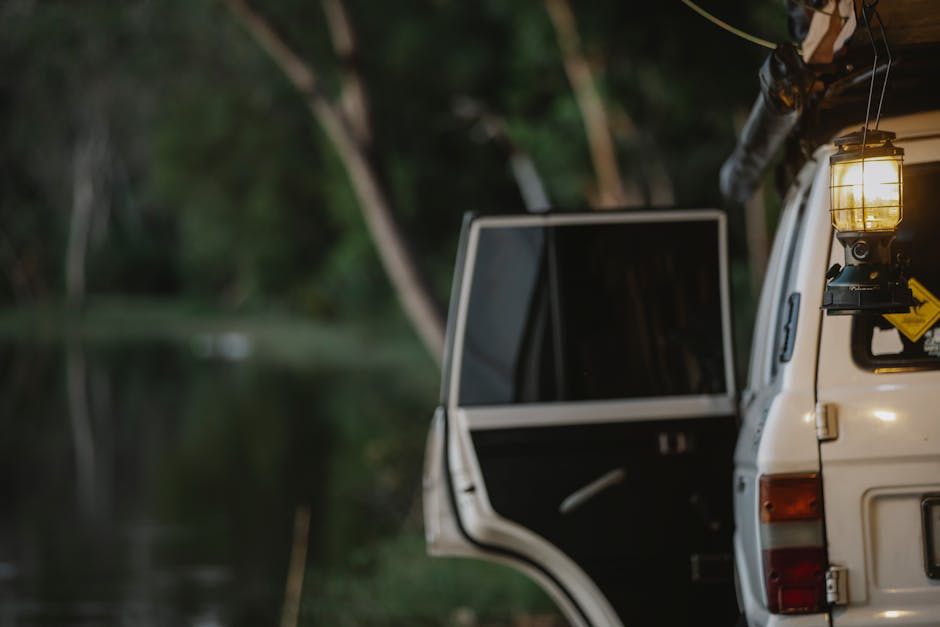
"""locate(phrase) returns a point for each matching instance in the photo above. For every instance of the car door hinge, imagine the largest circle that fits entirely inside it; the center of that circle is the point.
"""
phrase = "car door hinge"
(837, 585)
(827, 421)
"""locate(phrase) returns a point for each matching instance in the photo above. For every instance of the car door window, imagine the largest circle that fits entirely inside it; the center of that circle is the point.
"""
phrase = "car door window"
(593, 312)
(876, 344)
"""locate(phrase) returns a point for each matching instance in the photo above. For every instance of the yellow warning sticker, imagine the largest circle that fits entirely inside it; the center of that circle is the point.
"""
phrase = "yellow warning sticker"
(922, 316)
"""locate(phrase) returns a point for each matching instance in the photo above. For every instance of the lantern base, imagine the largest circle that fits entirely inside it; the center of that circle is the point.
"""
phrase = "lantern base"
(867, 289)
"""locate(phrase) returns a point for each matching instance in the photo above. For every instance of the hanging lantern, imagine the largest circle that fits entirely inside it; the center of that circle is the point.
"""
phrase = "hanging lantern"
(867, 203)
(866, 182)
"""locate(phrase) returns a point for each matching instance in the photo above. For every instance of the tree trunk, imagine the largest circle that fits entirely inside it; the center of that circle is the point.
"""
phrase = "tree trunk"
(346, 134)
(755, 223)
(610, 192)
(602, 126)
(83, 199)
(89, 180)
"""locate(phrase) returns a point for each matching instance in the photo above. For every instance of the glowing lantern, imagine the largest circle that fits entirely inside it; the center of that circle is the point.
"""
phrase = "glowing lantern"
(867, 203)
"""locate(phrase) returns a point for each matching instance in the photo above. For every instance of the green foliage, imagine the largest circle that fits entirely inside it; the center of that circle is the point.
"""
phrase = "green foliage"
(403, 586)
(221, 187)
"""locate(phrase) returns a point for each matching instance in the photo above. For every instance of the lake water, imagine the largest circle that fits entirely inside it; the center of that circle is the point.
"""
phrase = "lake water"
(159, 480)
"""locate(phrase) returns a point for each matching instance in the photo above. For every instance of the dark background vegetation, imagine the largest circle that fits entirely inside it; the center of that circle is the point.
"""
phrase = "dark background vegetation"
(219, 207)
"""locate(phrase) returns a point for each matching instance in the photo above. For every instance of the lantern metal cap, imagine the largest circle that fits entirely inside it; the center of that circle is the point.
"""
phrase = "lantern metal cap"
(874, 143)
(874, 136)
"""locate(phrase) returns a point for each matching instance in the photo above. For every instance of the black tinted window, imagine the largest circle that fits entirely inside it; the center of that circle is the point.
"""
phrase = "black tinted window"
(875, 342)
(589, 312)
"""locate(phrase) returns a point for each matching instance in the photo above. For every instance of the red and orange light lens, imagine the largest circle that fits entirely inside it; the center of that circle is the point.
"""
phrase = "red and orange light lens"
(796, 580)
(790, 497)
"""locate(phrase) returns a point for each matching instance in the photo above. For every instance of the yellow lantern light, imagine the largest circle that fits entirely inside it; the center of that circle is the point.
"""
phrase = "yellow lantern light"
(866, 183)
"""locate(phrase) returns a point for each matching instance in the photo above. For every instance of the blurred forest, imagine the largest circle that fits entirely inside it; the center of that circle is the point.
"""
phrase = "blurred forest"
(206, 178)
(164, 183)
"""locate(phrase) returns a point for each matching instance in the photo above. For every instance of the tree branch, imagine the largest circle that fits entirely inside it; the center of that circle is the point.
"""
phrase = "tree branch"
(610, 189)
(353, 100)
(294, 587)
(299, 73)
(395, 256)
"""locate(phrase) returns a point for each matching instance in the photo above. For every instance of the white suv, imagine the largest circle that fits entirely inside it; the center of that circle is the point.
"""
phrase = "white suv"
(591, 434)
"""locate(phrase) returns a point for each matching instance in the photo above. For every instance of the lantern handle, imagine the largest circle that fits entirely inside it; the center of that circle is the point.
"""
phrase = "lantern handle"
(870, 12)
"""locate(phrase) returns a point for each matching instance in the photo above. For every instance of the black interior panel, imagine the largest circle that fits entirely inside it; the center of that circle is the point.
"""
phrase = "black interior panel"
(658, 544)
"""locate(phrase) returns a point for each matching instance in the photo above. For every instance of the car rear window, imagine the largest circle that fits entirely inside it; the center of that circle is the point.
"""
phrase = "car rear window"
(876, 343)
(592, 312)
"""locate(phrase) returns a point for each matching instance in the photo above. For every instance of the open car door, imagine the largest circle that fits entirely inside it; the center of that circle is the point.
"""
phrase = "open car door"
(587, 421)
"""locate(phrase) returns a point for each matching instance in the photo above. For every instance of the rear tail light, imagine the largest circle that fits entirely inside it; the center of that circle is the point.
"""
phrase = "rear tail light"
(793, 544)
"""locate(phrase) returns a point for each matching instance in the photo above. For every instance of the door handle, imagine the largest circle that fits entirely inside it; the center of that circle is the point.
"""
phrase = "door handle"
(579, 497)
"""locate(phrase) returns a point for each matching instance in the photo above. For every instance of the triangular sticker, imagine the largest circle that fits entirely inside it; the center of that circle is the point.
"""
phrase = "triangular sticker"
(922, 316)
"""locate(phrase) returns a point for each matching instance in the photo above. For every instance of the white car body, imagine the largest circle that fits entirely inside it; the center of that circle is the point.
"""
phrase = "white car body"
(887, 453)
(878, 460)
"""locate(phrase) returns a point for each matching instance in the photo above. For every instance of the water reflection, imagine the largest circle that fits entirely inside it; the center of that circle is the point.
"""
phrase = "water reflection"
(154, 484)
